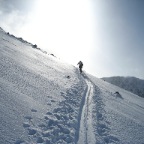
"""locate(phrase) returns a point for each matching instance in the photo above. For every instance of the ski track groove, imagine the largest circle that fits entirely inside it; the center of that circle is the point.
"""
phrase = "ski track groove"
(59, 126)
(86, 135)
(97, 130)
(63, 125)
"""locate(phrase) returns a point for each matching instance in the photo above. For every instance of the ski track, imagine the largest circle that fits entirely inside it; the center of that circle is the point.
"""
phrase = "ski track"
(86, 131)
(84, 115)
(59, 126)
(79, 119)
(94, 127)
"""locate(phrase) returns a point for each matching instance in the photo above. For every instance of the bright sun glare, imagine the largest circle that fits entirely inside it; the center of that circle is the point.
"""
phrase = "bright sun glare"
(64, 27)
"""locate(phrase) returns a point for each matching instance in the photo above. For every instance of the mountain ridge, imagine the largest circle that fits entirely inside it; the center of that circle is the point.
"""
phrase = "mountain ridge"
(130, 83)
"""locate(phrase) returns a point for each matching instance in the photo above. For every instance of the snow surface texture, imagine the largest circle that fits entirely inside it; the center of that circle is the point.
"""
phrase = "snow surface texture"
(44, 100)
(131, 84)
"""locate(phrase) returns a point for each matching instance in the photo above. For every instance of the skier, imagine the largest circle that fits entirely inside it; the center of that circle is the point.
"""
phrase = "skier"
(80, 66)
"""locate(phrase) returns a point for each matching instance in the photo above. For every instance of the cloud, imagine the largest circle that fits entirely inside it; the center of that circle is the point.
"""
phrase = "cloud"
(14, 14)
(12, 21)
(10, 5)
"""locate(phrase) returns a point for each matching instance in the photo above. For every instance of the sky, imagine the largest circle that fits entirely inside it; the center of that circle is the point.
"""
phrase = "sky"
(107, 35)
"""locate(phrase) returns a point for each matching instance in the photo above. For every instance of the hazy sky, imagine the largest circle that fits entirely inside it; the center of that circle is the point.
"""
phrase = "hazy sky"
(107, 35)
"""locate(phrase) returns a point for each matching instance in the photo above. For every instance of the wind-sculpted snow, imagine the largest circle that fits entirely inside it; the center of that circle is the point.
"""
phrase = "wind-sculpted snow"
(44, 100)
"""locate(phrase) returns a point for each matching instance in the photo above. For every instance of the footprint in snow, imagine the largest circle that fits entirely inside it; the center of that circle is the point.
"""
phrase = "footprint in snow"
(33, 110)
(62, 94)
(19, 142)
(49, 113)
(103, 129)
(28, 117)
(49, 104)
(40, 140)
(32, 131)
(111, 139)
(46, 118)
(49, 96)
(53, 101)
(99, 116)
(26, 125)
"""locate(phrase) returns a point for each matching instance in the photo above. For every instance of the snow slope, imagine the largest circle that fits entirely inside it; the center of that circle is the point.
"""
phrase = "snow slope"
(44, 100)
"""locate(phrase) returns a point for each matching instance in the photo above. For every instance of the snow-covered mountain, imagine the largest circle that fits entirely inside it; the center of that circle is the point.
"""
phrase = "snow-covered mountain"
(44, 100)
(132, 84)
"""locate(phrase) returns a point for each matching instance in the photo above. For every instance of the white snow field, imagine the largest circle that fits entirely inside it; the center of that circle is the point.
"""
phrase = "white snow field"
(44, 100)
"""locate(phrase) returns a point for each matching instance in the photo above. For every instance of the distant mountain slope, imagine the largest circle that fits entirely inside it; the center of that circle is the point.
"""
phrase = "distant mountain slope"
(131, 84)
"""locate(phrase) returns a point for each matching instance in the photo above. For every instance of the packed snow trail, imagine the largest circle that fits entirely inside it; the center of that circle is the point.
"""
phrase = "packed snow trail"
(86, 131)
